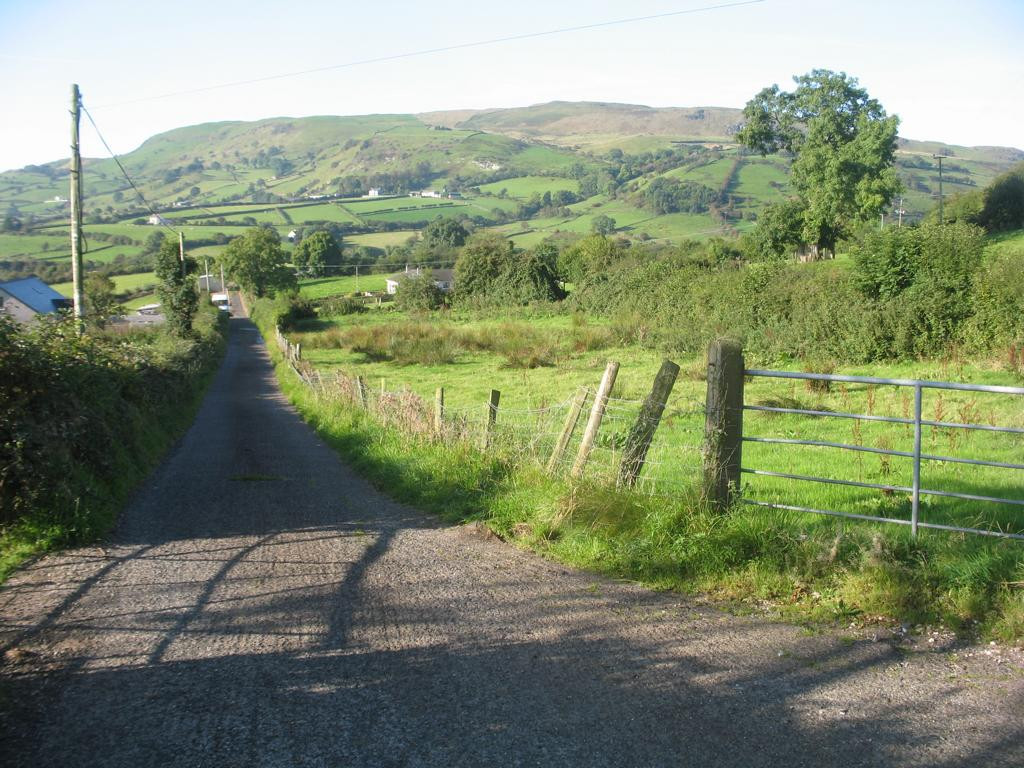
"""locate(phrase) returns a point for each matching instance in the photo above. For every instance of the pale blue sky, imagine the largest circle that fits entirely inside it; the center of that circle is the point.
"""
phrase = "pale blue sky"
(953, 71)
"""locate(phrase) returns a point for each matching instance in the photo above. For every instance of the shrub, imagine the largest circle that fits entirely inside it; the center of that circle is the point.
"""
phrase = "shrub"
(418, 293)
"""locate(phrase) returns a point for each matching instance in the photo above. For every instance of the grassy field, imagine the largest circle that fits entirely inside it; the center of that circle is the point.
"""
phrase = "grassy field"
(470, 374)
(321, 287)
(122, 283)
(382, 239)
(524, 187)
(788, 564)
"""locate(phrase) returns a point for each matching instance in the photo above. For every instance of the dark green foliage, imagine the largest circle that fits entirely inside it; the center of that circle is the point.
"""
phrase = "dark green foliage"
(779, 230)
(179, 297)
(317, 254)
(602, 225)
(444, 232)
(82, 418)
(418, 293)
(1003, 206)
(844, 146)
(589, 256)
(258, 263)
(101, 304)
(489, 271)
(667, 195)
(912, 292)
(289, 311)
(886, 262)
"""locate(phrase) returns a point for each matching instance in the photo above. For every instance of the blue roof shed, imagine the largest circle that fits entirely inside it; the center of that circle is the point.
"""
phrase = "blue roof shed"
(36, 295)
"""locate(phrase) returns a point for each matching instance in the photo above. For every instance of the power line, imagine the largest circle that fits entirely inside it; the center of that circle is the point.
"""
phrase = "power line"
(124, 172)
(443, 49)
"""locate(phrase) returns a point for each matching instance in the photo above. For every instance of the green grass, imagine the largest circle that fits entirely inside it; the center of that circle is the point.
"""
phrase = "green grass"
(803, 567)
(524, 187)
(382, 239)
(322, 287)
(122, 283)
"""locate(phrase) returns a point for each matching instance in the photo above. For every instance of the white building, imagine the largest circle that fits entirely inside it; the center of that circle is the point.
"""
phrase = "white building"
(444, 279)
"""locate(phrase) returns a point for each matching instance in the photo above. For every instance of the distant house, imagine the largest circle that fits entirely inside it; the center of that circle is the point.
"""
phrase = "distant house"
(29, 297)
(156, 220)
(375, 192)
(431, 193)
(443, 279)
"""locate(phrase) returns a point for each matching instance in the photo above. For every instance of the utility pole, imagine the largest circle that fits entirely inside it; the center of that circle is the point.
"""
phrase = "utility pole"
(76, 208)
(900, 212)
(942, 220)
(206, 269)
(223, 285)
(181, 253)
(883, 222)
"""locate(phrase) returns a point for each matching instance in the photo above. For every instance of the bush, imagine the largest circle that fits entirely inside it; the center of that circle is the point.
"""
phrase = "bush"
(82, 418)
(418, 293)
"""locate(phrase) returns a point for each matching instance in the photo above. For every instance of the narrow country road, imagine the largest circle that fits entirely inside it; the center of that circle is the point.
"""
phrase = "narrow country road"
(260, 605)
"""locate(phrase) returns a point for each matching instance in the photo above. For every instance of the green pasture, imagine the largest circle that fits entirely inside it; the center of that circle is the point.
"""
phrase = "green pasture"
(382, 239)
(756, 176)
(524, 187)
(322, 287)
(422, 213)
(674, 460)
(710, 174)
(122, 283)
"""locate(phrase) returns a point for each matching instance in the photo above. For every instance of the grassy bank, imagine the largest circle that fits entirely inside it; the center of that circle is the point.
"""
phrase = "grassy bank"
(785, 564)
(84, 421)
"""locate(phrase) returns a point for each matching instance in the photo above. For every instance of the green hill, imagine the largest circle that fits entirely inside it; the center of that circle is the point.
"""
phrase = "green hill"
(530, 172)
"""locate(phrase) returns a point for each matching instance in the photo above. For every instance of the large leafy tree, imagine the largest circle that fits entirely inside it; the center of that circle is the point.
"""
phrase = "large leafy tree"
(843, 146)
(258, 263)
(316, 253)
(444, 232)
(179, 297)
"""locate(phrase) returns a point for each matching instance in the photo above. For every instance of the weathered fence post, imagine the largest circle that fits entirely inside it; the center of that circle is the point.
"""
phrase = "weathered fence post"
(489, 418)
(723, 425)
(571, 420)
(439, 411)
(596, 415)
(640, 436)
(298, 352)
(364, 400)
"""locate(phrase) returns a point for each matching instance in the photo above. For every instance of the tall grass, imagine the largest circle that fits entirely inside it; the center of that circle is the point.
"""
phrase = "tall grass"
(426, 342)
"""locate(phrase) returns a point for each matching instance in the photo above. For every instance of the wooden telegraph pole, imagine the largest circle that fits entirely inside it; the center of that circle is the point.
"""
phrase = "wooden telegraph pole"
(76, 208)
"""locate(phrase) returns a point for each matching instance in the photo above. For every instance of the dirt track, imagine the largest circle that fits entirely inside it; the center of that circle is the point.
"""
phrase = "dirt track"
(260, 605)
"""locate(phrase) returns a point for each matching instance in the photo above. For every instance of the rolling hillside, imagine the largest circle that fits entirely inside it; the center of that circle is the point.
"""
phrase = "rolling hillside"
(529, 172)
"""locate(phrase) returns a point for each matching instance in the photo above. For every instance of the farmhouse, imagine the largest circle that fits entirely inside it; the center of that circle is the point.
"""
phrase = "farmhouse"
(376, 192)
(29, 297)
(444, 279)
(157, 220)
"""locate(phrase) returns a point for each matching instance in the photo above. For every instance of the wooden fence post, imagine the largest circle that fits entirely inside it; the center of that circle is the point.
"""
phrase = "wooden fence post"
(571, 420)
(723, 425)
(439, 411)
(363, 397)
(489, 418)
(640, 436)
(298, 352)
(596, 415)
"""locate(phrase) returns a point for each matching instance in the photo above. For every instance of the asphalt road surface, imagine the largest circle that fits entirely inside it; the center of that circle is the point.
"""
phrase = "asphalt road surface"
(261, 605)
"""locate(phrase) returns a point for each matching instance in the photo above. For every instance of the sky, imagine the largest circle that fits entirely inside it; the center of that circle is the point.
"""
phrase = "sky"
(953, 71)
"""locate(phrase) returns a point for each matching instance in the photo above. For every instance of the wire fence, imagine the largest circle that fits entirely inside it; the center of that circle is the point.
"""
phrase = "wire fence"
(548, 437)
(667, 446)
